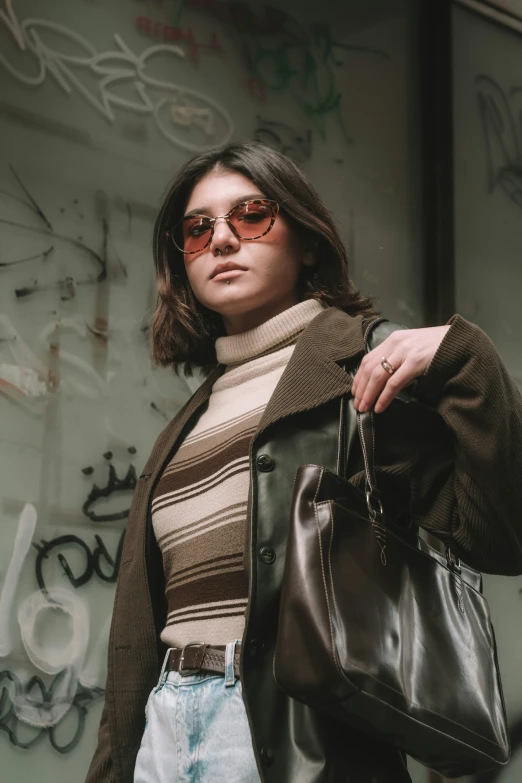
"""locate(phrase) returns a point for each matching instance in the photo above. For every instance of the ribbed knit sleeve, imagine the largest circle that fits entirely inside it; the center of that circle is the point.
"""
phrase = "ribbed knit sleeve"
(473, 392)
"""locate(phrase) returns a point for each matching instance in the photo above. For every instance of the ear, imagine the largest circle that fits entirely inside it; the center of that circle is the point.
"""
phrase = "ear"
(308, 258)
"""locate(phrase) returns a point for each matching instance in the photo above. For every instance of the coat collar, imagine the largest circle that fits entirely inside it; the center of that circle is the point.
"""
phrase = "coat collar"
(312, 377)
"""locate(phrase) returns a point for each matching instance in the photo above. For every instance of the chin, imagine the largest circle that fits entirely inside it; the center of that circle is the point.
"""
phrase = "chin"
(236, 301)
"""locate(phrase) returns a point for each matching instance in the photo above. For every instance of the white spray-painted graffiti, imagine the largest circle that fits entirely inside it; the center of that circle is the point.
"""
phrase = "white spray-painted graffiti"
(172, 108)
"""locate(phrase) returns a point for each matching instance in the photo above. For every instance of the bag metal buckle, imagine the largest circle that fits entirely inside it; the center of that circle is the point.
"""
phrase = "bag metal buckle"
(453, 561)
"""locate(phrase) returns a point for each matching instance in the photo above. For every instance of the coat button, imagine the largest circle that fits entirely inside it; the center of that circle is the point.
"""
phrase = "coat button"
(267, 554)
(254, 647)
(265, 463)
(267, 756)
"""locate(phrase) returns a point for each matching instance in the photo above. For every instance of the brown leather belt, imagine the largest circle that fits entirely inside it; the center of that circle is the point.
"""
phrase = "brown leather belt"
(197, 657)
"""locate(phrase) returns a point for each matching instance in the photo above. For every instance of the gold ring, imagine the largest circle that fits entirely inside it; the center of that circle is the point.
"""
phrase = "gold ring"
(385, 364)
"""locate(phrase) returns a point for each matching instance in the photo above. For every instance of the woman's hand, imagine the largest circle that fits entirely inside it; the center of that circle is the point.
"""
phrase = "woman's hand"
(409, 352)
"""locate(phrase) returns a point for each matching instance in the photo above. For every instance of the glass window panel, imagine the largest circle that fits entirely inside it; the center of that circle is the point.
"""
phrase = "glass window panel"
(100, 105)
(488, 234)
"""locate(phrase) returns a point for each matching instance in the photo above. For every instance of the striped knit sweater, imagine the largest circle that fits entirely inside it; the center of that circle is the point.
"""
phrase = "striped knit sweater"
(199, 507)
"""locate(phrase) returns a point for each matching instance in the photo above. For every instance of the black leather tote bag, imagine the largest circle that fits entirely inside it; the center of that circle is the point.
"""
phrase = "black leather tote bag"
(384, 632)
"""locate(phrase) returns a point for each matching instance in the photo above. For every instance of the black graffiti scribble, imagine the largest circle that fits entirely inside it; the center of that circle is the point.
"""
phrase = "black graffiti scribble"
(502, 137)
(114, 484)
(284, 138)
(49, 231)
(93, 560)
(155, 407)
(43, 256)
(68, 284)
(32, 200)
(39, 695)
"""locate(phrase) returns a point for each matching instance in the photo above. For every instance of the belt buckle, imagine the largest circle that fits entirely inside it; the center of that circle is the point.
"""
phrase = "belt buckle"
(186, 672)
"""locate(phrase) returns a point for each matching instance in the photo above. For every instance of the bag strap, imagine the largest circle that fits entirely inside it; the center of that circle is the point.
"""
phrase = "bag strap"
(366, 430)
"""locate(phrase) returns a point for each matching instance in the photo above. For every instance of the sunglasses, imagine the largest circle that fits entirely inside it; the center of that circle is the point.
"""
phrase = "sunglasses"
(248, 220)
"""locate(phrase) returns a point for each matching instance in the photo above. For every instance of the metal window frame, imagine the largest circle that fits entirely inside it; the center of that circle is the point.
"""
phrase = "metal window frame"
(437, 144)
(436, 120)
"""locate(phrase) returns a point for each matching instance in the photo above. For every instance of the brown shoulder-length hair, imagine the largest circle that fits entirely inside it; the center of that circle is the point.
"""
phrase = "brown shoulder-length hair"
(183, 330)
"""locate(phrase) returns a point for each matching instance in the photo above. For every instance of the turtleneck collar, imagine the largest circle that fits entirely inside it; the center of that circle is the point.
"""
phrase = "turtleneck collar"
(277, 331)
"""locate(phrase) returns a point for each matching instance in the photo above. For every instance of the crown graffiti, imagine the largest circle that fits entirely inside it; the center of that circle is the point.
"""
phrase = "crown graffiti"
(114, 484)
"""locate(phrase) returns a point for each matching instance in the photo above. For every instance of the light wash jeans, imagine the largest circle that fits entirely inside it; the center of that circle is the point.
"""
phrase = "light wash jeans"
(196, 730)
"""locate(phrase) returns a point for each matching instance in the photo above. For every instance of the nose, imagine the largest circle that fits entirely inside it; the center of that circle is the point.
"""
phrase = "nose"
(224, 239)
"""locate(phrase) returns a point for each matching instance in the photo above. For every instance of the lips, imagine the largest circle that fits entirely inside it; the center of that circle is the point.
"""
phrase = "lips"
(226, 267)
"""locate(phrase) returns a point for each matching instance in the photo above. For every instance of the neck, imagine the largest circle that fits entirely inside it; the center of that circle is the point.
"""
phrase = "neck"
(243, 322)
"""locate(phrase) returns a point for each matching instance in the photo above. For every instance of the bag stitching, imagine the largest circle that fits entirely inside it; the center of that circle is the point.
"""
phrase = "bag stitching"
(334, 657)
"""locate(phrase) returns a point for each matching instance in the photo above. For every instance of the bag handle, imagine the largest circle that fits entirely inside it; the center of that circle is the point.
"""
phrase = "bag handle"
(366, 430)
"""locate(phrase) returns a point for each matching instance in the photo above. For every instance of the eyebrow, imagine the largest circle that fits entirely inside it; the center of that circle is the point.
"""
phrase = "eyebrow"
(206, 209)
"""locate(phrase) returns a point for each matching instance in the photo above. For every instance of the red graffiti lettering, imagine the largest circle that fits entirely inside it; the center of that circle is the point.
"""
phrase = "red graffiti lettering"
(173, 33)
(169, 33)
(144, 24)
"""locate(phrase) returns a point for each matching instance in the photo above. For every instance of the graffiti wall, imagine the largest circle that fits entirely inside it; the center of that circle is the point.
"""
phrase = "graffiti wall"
(100, 103)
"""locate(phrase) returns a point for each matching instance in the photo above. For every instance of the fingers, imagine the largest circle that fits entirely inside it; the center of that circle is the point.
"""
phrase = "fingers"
(409, 351)
(399, 380)
(374, 385)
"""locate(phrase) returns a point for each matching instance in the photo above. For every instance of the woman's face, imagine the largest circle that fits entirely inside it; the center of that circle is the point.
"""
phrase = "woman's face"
(271, 265)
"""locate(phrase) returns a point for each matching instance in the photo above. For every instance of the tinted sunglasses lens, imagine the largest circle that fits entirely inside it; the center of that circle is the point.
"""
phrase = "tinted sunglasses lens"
(251, 220)
(192, 234)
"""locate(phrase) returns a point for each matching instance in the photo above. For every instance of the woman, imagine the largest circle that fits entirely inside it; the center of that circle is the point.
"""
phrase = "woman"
(254, 290)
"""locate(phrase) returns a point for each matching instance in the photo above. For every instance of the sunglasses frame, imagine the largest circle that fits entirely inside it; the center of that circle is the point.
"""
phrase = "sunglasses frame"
(274, 207)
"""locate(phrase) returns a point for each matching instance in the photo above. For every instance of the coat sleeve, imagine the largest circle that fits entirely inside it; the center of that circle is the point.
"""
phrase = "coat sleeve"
(101, 769)
(477, 506)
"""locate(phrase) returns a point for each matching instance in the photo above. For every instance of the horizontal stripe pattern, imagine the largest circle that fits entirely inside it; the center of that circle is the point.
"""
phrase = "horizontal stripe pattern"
(199, 513)
(199, 506)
